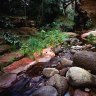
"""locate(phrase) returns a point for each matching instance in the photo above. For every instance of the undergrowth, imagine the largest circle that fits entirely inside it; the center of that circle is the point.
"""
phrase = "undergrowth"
(42, 39)
(91, 39)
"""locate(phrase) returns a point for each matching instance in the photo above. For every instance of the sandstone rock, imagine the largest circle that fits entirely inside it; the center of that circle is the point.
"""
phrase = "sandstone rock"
(80, 77)
(86, 60)
(59, 82)
(81, 93)
(6, 80)
(17, 66)
(45, 91)
(47, 55)
(9, 58)
(49, 72)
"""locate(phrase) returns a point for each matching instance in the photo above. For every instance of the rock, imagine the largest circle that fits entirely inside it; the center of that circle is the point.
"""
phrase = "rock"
(59, 82)
(57, 49)
(63, 71)
(9, 58)
(83, 36)
(49, 72)
(65, 62)
(6, 80)
(71, 34)
(73, 41)
(27, 30)
(17, 66)
(81, 93)
(45, 91)
(80, 77)
(86, 60)
(67, 94)
(47, 55)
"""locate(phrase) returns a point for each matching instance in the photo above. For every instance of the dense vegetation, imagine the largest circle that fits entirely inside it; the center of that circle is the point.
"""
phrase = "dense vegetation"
(51, 17)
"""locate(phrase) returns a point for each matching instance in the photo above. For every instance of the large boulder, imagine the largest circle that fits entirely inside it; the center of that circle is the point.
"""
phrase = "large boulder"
(80, 77)
(86, 60)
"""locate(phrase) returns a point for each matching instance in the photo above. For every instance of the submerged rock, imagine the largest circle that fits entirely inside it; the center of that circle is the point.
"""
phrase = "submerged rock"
(86, 60)
(49, 72)
(80, 77)
(81, 93)
(59, 82)
(45, 91)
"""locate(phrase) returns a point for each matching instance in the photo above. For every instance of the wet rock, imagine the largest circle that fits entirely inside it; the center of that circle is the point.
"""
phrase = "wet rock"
(45, 91)
(65, 62)
(6, 80)
(86, 60)
(57, 49)
(67, 94)
(59, 82)
(63, 71)
(49, 72)
(35, 70)
(73, 41)
(80, 77)
(81, 93)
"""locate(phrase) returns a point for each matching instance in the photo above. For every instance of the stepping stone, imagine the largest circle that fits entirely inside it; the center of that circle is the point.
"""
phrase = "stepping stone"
(17, 66)
(4, 48)
(9, 58)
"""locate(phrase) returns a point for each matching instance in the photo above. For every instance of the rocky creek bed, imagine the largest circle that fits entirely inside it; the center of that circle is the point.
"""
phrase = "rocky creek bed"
(70, 73)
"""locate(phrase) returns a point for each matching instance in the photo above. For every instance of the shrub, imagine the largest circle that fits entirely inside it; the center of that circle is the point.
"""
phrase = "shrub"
(42, 40)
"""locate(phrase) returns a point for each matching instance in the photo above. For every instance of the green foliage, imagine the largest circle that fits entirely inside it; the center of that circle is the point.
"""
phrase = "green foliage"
(12, 39)
(64, 23)
(89, 24)
(91, 39)
(42, 40)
